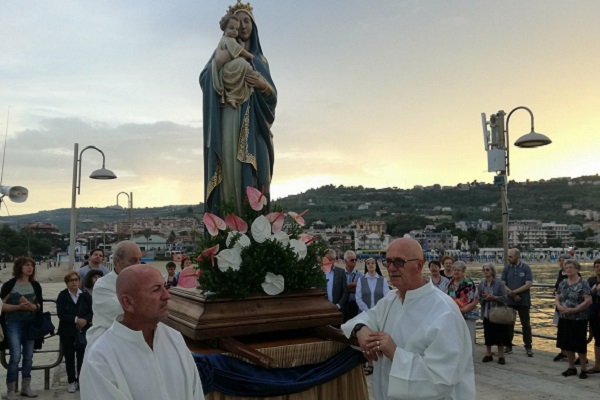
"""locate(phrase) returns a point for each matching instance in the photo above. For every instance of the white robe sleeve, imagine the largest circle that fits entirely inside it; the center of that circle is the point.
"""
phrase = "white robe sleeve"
(99, 382)
(106, 308)
(434, 374)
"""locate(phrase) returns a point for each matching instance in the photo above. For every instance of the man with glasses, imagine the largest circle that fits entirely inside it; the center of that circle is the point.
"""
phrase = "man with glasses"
(518, 279)
(105, 303)
(416, 335)
(352, 276)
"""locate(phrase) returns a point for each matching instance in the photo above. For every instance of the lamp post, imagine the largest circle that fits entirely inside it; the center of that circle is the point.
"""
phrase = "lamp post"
(130, 204)
(101, 173)
(496, 144)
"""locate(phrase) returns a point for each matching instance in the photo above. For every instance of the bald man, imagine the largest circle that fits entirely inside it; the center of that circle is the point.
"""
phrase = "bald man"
(416, 335)
(139, 357)
(105, 304)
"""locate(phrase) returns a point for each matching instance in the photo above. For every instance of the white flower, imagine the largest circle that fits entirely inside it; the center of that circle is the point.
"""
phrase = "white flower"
(229, 258)
(273, 284)
(242, 241)
(282, 238)
(299, 248)
(261, 229)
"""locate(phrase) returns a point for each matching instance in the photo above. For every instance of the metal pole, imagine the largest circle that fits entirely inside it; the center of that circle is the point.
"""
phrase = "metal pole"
(73, 232)
(503, 144)
(130, 215)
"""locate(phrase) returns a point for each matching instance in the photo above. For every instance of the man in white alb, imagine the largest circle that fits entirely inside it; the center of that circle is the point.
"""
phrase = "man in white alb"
(416, 335)
(138, 357)
(105, 304)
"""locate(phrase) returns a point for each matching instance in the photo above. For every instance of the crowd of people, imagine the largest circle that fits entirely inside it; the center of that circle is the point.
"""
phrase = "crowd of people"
(110, 321)
(97, 307)
(577, 305)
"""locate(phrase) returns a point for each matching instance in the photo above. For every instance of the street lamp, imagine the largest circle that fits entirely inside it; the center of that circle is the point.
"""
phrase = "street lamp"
(130, 204)
(496, 143)
(101, 173)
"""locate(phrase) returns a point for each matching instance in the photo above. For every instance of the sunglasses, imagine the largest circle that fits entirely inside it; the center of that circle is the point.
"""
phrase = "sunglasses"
(486, 269)
(352, 260)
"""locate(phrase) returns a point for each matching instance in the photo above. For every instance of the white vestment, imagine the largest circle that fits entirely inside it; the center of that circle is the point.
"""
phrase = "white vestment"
(121, 366)
(433, 358)
(105, 305)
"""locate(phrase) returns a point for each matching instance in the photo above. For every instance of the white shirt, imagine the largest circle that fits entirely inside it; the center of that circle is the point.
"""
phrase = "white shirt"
(121, 366)
(433, 358)
(105, 305)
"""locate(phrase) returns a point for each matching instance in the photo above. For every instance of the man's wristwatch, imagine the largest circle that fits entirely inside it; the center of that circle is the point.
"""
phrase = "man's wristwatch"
(357, 328)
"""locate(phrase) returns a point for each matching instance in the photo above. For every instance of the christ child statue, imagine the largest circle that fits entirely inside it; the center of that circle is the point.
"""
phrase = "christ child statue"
(229, 65)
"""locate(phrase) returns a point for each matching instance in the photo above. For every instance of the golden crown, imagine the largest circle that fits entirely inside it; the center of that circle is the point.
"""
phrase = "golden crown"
(239, 6)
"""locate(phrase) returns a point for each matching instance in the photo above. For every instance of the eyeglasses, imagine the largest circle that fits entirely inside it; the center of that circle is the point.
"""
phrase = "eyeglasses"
(398, 262)
(486, 269)
(73, 280)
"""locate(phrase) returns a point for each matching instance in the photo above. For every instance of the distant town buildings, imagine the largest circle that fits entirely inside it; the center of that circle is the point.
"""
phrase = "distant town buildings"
(535, 233)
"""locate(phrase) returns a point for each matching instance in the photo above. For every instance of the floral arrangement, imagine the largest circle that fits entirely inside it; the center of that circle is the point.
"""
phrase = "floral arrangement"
(244, 255)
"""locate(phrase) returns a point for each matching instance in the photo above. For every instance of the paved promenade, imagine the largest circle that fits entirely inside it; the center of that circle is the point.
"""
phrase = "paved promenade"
(522, 378)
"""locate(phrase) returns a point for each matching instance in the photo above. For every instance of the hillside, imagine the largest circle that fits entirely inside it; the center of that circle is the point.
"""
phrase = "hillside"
(339, 205)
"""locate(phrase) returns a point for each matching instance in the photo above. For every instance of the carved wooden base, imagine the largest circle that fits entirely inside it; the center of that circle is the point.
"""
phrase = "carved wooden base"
(199, 317)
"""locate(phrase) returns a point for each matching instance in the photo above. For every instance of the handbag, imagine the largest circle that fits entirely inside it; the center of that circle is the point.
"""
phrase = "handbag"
(80, 339)
(502, 315)
(42, 325)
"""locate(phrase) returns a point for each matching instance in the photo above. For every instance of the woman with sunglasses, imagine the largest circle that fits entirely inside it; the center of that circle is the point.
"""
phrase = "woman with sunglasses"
(438, 280)
(74, 311)
(492, 292)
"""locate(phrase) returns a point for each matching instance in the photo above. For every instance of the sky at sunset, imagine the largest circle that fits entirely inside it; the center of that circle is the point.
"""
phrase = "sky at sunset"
(385, 93)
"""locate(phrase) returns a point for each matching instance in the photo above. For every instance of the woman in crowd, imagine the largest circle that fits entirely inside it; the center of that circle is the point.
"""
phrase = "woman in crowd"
(464, 293)
(594, 311)
(74, 310)
(377, 269)
(561, 276)
(573, 297)
(370, 288)
(169, 277)
(447, 262)
(188, 277)
(21, 298)
(439, 281)
(90, 280)
(492, 292)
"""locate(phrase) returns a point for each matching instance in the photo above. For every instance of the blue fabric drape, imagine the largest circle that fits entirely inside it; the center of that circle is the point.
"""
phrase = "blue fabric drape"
(234, 377)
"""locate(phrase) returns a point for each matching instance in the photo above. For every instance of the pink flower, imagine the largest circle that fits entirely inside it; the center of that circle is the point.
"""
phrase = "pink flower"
(276, 220)
(213, 224)
(256, 199)
(307, 239)
(237, 224)
(298, 217)
(209, 253)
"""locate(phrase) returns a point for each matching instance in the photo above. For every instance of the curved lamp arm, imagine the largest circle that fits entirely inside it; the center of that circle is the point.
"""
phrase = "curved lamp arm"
(79, 162)
(507, 145)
